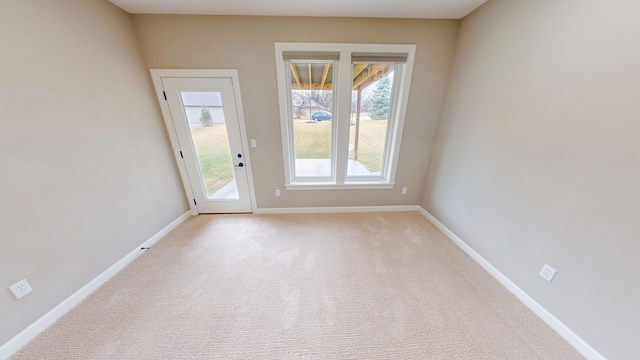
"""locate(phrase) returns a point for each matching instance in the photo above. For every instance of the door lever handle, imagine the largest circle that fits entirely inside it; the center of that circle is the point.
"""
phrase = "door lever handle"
(239, 165)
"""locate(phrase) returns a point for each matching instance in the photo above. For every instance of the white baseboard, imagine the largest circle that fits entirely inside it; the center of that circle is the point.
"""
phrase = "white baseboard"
(339, 209)
(17, 342)
(20, 340)
(564, 331)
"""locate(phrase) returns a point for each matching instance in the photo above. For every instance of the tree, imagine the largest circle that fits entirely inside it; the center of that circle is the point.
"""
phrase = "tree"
(205, 116)
(366, 102)
(381, 100)
(322, 97)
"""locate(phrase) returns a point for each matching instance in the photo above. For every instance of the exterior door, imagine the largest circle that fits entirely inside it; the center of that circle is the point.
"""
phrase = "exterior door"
(204, 117)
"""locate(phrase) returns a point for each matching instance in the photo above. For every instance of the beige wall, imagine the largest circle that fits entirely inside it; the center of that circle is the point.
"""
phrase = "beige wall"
(537, 157)
(247, 44)
(87, 172)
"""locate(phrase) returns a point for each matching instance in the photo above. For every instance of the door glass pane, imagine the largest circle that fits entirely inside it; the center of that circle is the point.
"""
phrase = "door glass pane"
(370, 108)
(209, 133)
(311, 88)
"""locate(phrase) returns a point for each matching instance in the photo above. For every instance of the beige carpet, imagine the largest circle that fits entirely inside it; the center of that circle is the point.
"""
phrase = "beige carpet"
(312, 286)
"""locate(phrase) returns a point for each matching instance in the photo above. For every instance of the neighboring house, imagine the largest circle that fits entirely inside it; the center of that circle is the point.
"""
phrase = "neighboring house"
(296, 100)
(194, 101)
(305, 106)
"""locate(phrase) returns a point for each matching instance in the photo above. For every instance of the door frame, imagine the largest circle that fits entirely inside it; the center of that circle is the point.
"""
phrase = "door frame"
(157, 75)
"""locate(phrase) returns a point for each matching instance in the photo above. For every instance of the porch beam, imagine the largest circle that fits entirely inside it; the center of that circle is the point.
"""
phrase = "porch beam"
(325, 71)
(296, 76)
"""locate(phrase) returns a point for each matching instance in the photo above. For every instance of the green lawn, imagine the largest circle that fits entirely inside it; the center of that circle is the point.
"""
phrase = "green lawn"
(212, 147)
(312, 141)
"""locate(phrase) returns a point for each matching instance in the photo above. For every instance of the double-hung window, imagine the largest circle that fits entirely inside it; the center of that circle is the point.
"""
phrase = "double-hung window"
(342, 109)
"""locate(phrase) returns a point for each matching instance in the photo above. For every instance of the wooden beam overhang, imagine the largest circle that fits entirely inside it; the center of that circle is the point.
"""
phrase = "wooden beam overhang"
(294, 70)
(363, 76)
(324, 75)
(371, 75)
(314, 86)
(358, 68)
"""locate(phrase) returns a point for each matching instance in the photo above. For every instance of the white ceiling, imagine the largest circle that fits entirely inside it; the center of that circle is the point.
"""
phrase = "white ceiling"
(421, 9)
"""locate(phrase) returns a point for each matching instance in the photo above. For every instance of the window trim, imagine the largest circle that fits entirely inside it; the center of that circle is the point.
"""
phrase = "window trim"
(342, 106)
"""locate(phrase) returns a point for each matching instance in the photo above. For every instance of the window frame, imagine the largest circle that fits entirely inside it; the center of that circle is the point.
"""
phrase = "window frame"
(341, 110)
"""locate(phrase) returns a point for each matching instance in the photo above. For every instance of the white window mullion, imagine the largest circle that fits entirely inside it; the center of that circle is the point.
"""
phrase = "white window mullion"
(343, 118)
(401, 98)
(286, 127)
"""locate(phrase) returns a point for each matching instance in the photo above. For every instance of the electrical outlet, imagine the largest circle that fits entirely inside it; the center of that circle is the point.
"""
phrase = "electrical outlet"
(277, 192)
(404, 190)
(253, 143)
(21, 288)
(548, 272)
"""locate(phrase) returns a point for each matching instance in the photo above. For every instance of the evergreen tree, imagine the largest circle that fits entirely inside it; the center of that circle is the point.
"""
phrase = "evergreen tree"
(205, 116)
(381, 100)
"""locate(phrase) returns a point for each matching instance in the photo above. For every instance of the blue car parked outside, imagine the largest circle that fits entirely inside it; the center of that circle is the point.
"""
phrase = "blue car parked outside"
(321, 115)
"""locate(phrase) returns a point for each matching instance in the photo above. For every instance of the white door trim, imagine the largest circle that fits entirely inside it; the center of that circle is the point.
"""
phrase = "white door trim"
(156, 75)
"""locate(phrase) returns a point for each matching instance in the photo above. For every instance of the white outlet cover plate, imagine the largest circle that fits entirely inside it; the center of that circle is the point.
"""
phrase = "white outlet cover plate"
(548, 272)
(21, 288)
